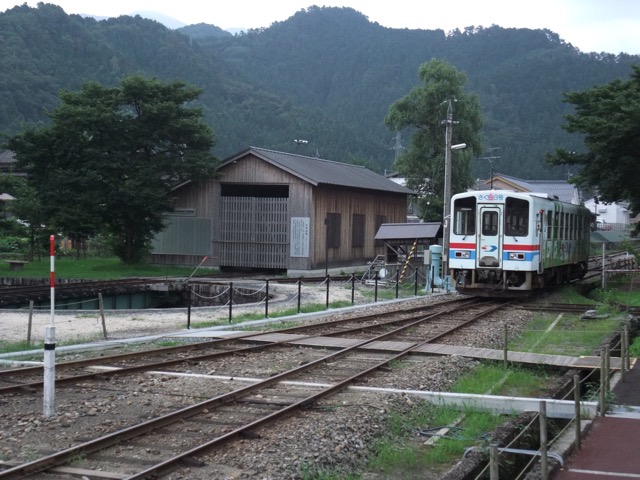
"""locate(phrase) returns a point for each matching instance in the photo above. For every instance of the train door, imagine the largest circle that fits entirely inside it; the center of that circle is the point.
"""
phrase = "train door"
(489, 246)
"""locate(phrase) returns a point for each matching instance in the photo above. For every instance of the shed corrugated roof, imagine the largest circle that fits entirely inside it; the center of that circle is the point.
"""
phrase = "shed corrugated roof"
(319, 171)
(409, 231)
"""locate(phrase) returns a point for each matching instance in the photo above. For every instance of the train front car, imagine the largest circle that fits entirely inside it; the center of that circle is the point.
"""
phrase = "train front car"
(505, 243)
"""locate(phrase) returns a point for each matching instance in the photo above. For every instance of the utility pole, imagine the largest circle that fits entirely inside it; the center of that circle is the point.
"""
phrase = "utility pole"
(447, 189)
(446, 210)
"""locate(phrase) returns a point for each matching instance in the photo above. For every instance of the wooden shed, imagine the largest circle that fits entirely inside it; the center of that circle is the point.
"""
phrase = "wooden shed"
(281, 211)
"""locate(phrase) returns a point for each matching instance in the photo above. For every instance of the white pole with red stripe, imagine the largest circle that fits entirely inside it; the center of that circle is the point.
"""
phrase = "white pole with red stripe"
(49, 401)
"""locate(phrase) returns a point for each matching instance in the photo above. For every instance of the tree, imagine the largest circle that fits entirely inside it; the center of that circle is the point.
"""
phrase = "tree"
(424, 111)
(609, 118)
(111, 156)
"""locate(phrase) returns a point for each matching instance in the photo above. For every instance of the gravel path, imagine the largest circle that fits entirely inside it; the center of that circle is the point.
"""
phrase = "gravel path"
(313, 441)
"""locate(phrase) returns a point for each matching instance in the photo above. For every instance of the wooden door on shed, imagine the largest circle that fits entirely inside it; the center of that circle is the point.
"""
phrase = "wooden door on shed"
(254, 232)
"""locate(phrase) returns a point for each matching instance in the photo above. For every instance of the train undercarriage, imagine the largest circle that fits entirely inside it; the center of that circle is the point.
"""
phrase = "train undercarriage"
(491, 282)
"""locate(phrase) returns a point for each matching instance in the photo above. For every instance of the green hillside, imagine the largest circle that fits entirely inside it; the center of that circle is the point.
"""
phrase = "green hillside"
(326, 75)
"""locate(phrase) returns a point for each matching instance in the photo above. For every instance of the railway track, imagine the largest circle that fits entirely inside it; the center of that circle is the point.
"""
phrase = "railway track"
(155, 447)
(28, 379)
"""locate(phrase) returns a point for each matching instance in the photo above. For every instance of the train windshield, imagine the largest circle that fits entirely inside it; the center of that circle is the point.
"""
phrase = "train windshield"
(464, 216)
(516, 217)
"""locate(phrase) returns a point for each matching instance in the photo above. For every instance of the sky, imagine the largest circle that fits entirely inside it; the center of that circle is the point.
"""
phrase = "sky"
(611, 26)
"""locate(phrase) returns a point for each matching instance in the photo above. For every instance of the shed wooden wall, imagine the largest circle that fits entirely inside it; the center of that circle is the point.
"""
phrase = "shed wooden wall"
(306, 202)
(251, 170)
(391, 207)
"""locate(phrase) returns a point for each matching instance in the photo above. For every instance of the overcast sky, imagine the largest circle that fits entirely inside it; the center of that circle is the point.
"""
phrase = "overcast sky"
(591, 25)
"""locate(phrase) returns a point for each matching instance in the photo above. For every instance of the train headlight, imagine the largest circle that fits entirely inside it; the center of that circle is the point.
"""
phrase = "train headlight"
(516, 256)
(463, 254)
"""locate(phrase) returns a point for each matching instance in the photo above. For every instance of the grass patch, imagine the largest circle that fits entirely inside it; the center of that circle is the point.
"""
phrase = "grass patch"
(573, 295)
(402, 451)
(569, 336)
(497, 379)
(619, 293)
(21, 346)
(94, 269)
(389, 292)
(253, 316)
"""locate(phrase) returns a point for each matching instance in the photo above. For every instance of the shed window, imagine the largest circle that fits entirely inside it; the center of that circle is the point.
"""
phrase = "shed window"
(357, 232)
(333, 230)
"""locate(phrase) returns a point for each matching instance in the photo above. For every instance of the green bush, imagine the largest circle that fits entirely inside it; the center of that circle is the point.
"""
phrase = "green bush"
(14, 245)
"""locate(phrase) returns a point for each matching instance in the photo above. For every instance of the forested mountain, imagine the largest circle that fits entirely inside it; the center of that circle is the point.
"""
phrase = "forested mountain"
(326, 75)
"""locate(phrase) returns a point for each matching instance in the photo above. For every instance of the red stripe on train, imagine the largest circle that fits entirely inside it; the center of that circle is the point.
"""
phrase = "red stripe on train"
(467, 246)
(517, 246)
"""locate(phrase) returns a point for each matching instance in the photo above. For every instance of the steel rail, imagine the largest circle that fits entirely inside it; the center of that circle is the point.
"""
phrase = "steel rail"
(90, 447)
(255, 336)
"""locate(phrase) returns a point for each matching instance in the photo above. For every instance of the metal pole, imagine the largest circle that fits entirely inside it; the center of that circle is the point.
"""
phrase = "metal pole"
(607, 357)
(506, 346)
(544, 466)
(266, 300)
(30, 322)
(327, 300)
(353, 288)
(375, 288)
(104, 322)
(52, 277)
(604, 279)
(603, 381)
(576, 398)
(623, 354)
(230, 301)
(627, 357)
(49, 381)
(299, 293)
(494, 462)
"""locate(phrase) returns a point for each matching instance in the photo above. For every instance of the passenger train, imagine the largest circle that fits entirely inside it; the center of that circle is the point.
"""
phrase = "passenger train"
(505, 243)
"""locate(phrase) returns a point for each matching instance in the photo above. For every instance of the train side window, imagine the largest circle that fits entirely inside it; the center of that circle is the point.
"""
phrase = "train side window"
(578, 227)
(550, 224)
(556, 225)
(490, 223)
(516, 217)
(464, 216)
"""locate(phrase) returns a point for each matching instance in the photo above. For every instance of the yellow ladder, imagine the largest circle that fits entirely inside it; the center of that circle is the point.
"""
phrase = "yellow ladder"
(412, 253)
